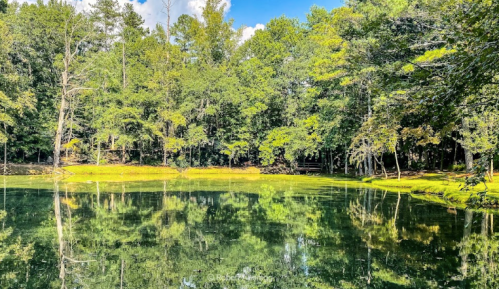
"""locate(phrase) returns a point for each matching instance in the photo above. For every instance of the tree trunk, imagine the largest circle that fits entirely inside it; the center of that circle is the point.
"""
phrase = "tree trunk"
(346, 163)
(4, 199)
(98, 153)
(140, 153)
(397, 162)
(70, 135)
(164, 156)
(5, 152)
(123, 155)
(190, 156)
(492, 169)
(365, 160)
(168, 5)
(442, 157)
(60, 126)
(369, 153)
(123, 63)
(454, 162)
(382, 165)
(468, 156)
(426, 156)
(331, 170)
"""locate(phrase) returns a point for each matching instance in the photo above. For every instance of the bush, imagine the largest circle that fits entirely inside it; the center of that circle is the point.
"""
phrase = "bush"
(418, 166)
(457, 168)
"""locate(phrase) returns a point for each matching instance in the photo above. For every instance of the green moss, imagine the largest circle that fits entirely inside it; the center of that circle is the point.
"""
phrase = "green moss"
(447, 188)
(222, 170)
(151, 170)
(118, 170)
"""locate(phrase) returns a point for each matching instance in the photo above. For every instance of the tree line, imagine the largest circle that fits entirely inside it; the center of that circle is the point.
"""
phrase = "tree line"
(374, 85)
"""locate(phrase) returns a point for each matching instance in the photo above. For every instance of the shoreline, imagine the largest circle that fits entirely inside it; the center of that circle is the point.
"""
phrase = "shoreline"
(434, 187)
(43, 170)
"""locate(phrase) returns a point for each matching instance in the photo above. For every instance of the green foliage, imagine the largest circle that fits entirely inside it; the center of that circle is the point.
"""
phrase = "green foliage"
(389, 82)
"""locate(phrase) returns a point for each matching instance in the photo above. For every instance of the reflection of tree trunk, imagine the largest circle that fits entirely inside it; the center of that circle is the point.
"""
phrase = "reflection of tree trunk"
(396, 211)
(98, 193)
(485, 224)
(5, 152)
(4, 199)
(122, 273)
(70, 224)
(369, 261)
(468, 219)
(485, 231)
(364, 210)
(57, 211)
(112, 205)
(346, 196)
(492, 224)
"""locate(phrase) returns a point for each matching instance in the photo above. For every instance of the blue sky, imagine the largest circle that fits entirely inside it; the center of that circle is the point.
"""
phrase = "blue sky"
(252, 12)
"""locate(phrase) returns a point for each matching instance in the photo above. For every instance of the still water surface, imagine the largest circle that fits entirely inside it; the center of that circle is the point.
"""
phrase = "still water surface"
(262, 232)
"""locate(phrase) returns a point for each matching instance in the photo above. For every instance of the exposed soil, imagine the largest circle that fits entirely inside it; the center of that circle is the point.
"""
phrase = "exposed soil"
(25, 169)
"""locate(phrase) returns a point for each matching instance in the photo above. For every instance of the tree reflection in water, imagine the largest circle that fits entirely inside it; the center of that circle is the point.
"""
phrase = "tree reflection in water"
(204, 234)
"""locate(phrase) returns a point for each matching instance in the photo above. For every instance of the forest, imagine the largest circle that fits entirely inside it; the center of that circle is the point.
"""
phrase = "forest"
(374, 85)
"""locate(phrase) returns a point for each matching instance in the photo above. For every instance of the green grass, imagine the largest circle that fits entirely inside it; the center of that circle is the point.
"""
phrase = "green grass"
(118, 170)
(152, 170)
(439, 188)
(443, 186)
(222, 171)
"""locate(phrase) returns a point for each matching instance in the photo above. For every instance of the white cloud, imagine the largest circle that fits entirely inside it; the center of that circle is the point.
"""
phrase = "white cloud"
(248, 32)
(152, 10)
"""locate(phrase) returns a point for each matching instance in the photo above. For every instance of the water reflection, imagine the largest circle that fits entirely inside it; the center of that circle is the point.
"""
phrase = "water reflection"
(223, 234)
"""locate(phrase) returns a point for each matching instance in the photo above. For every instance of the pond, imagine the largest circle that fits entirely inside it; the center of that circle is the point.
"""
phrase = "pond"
(237, 232)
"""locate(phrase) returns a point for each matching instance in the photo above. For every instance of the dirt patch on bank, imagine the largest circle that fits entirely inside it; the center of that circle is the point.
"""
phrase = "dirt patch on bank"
(27, 170)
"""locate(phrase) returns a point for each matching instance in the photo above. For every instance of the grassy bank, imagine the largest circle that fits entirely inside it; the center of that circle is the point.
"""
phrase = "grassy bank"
(150, 170)
(439, 187)
(444, 186)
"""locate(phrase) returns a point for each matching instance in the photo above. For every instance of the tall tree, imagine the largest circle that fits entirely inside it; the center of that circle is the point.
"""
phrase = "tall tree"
(77, 32)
